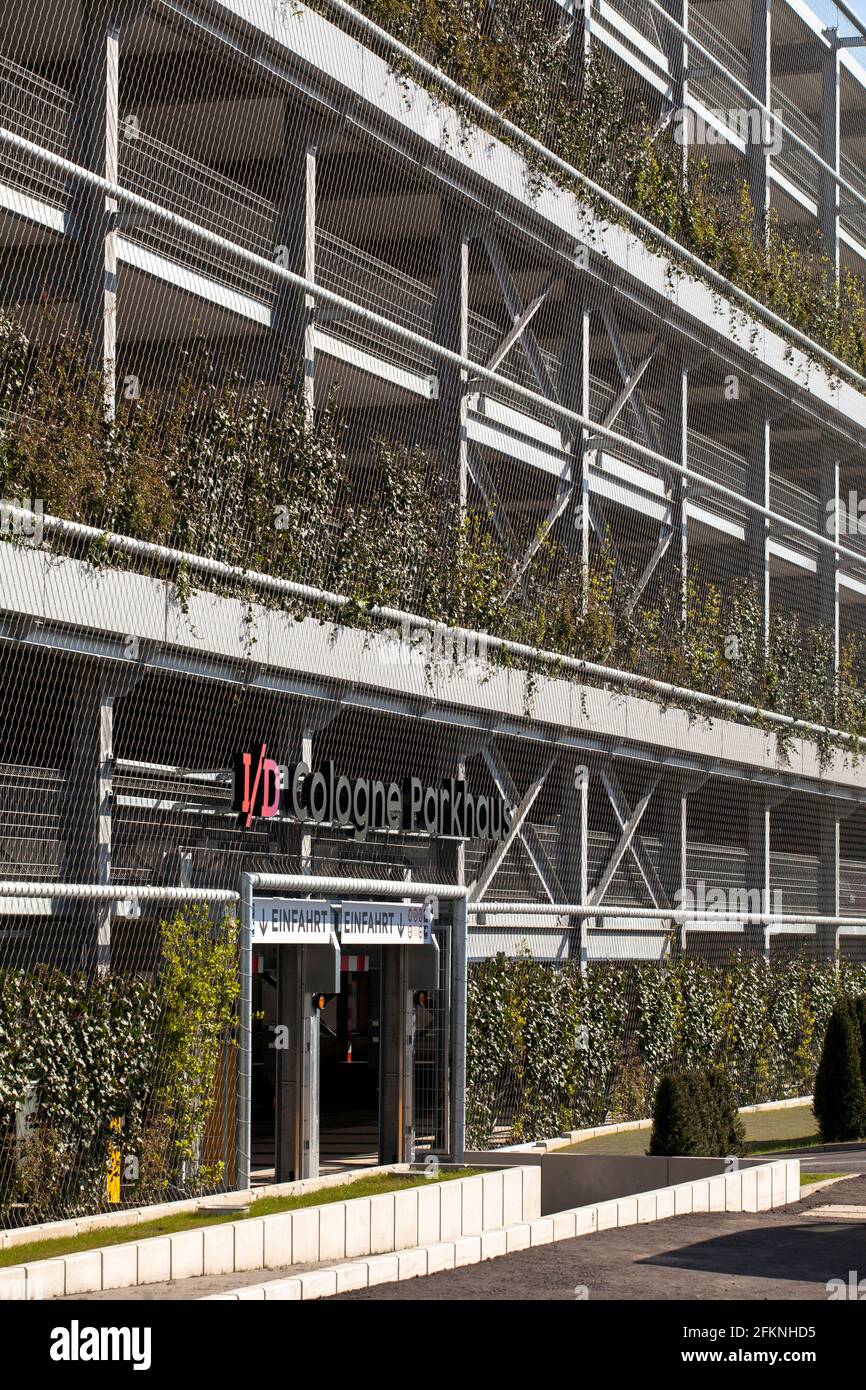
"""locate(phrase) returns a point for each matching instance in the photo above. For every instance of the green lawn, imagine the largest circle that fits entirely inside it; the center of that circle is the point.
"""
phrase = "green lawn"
(373, 1185)
(767, 1131)
(807, 1178)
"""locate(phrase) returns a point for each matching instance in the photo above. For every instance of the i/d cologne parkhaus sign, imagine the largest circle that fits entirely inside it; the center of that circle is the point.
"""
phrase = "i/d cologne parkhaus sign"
(265, 788)
(311, 922)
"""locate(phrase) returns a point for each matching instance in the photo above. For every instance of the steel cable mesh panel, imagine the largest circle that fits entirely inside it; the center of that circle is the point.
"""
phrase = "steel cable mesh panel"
(118, 1056)
(553, 1048)
(240, 437)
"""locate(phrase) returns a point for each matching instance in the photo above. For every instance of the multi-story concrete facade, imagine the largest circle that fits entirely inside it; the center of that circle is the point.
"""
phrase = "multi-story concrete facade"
(285, 186)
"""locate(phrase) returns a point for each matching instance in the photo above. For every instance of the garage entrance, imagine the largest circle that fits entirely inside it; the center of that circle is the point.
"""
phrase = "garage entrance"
(334, 1018)
(349, 1056)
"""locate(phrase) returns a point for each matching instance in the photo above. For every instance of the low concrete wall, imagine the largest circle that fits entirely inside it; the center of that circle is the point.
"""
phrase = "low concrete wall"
(360, 1226)
(757, 1188)
(580, 1180)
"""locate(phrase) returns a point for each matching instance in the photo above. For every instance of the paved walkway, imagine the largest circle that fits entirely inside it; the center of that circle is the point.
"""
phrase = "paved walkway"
(784, 1254)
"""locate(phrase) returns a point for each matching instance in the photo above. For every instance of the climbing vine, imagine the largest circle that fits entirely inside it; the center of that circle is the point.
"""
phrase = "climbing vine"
(227, 472)
(517, 58)
(552, 1049)
(92, 1062)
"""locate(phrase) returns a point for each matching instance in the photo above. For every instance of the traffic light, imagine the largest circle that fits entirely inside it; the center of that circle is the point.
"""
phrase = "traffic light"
(320, 1001)
(421, 998)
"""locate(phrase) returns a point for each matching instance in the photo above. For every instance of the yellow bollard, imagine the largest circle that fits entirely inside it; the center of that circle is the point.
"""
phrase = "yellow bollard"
(113, 1176)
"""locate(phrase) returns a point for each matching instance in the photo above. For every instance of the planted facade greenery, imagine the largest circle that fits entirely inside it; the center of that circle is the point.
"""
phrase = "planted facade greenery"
(237, 473)
(94, 1062)
(520, 61)
(78, 1053)
(555, 1050)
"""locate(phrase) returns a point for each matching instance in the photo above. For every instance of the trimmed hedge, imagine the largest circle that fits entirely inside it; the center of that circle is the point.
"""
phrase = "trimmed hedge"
(860, 1021)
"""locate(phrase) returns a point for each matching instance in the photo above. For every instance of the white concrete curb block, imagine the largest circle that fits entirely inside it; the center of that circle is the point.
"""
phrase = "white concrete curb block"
(457, 1212)
(770, 1185)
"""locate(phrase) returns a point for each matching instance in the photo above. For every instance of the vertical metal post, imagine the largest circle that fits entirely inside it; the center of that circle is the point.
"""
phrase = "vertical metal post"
(584, 868)
(757, 526)
(457, 1116)
(103, 833)
(286, 1100)
(828, 874)
(306, 845)
(758, 150)
(573, 386)
(95, 216)
(85, 819)
(828, 188)
(243, 1148)
(293, 314)
(677, 51)
(297, 1151)
(571, 859)
(396, 1061)
(582, 33)
(452, 331)
(675, 443)
(759, 856)
(460, 853)
(675, 838)
(312, 1087)
(828, 560)
(678, 442)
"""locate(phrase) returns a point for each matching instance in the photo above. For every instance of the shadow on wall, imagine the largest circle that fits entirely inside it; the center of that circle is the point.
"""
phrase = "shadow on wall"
(581, 1180)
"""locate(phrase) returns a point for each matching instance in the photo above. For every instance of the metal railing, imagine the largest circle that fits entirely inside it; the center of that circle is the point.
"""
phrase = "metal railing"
(635, 14)
(184, 185)
(156, 172)
(40, 111)
(353, 273)
(29, 819)
(706, 83)
(792, 160)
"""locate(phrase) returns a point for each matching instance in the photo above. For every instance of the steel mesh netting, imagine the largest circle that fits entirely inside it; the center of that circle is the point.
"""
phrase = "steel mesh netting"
(188, 409)
(118, 1062)
(554, 1048)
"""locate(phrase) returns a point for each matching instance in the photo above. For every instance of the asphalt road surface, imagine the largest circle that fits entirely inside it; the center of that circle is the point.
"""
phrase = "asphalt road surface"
(834, 1158)
(785, 1254)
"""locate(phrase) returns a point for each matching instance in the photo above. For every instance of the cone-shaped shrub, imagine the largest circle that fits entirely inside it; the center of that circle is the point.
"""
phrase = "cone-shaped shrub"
(860, 1025)
(727, 1132)
(676, 1117)
(840, 1098)
(696, 1115)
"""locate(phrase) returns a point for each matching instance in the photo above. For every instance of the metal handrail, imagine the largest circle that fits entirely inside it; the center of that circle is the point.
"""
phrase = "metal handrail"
(153, 169)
